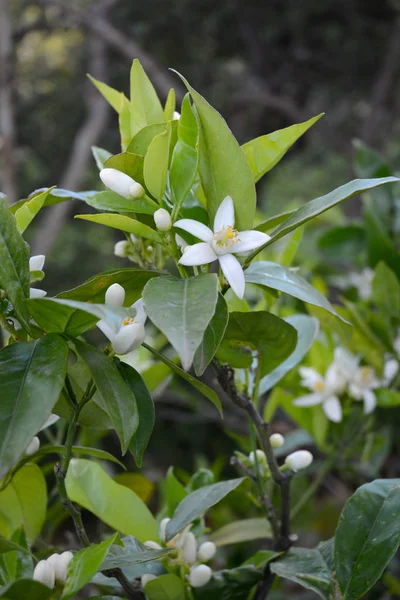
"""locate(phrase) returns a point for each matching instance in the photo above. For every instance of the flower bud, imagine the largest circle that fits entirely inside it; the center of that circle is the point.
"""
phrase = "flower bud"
(260, 457)
(301, 459)
(60, 564)
(206, 551)
(121, 249)
(36, 263)
(44, 573)
(121, 184)
(36, 293)
(189, 548)
(162, 528)
(115, 295)
(176, 116)
(144, 580)
(200, 576)
(128, 338)
(277, 440)
(152, 545)
(162, 219)
(33, 446)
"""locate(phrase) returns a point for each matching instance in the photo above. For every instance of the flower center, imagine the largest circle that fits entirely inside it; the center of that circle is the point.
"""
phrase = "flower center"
(366, 375)
(128, 321)
(225, 239)
(319, 386)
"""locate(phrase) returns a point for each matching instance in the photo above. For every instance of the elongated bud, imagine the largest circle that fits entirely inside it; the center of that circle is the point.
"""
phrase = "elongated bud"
(36, 293)
(176, 116)
(152, 545)
(61, 566)
(121, 249)
(299, 460)
(36, 263)
(260, 457)
(44, 573)
(162, 528)
(206, 551)
(200, 576)
(144, 580)
(162, 219)
(277, 440)
(128, 338)
(33, 446)
(189, 548)
(115, 295)
(121, 184)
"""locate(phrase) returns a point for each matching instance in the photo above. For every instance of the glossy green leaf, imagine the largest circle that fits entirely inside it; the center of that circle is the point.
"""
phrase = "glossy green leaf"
(213, 336)
(261, 558)
(117, 397)
(156, 162)
(24, 502)
(264, 152)
(31, 378)
(132, 553)
(14, 262)
(90, 486)
(274, 221)
(386, 290)
(165, 587)
(145, 105)
(224, 170)
(170, 103)
(123, 223)
(367, 536)
(129, 163)
(100, 156)
(26, 588)
(272, 338)
(230, 584)
(272, 275)
(307, 330)
(112, 96)
(28, 211)
(245, 530)
(182, 310)
(140, 142)
(195, 504)
(109, 201)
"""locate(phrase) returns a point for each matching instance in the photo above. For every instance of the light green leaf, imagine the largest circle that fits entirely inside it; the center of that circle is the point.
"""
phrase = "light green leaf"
(386, 290)
(28, 211)
(387, 398)
(367, 536)
(112, 96)
(213, 336)
(89, 485)
(110, 201)
(165, 587)
(100, 155)
(274, 221)
(141, 141)
(195, 504)
(145, 105)
(129, 163)
(264, 152)
(182, 310)
(123, 223)
(127, 124)
(31, 378)
(241, 531)
(291, 247)
(169, 108)
(155, 167)
(224, 170)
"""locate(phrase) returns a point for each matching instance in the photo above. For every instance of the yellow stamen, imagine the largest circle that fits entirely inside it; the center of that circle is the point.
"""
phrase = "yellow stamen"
(128, 321)
(319, 386)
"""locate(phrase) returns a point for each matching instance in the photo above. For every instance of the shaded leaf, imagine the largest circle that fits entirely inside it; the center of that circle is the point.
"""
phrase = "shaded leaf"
(241, 531)
(232, 584)
(28, 211)
(212, 337)
(165, 587)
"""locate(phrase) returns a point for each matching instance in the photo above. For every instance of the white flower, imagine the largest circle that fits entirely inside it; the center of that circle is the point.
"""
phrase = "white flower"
(44, 573)
(390, 370)
(162, 528)
(221, 244)
(121, 184)
(200, 576)
(325, 390)
(152, 545)
(144, 580)
(277, 440)
(362, 380)
(121, 248)
(60, 564)
(206, 551)
(162, 219)
(301, 459)
(36, 263)
(189, 547)
(33, 446)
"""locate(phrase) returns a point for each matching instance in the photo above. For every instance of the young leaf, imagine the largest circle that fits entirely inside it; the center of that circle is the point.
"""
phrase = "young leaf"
(165, 587)
(155, 167)
(129, 163)
(100, 155)
(89, 485)
(241, 531)
(123, 223)
(112, 96)
(169, 108)
(38, 371)
(145, 104)
(140, 142)
(274, 221)
(212, 338)
(28, 211)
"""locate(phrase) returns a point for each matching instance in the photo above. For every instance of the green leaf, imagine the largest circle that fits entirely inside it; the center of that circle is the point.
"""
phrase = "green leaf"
(195, 504)
(307, 330)
(112, 96)
(291, 247)
(367, 536)
(26, 588)
(224, 170)
(308, 568)
(31, 378)
(28, 211)
(18, 563)
(212, 337)
(100, 155)
(261, 558)
(127, 125)
(10, 546)
(23, 502)
(169, 108)
(145, 406)
(156, 162)
(245, 530)
(129, 163)
(185, 158)
(232, 584)
(272, 222)
(14, 263)
(145, 105)
(260, 331)
(117, 397)
(182, 310)
(272, 275)
(141, 141)
(343, 244)
(315, 207)
(131, 554)
(387, 398)
(165, 587)
(112, 202)
(123, 223)
(85, 565)
(386, 290)
(264, 152)
(206, 391)
(90, 486)
(380, 245)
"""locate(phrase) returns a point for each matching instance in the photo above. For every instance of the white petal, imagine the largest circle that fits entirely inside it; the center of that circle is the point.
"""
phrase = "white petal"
(369, 401)
(356, 391)
(225, 215)
(108, 331)
(50, 421)
(346, 362)
(36, 293)
(232, 269)
(390, 370)
(33, 446)
(308, 400)
(128, 338)
(36, 263)
(310, 377)
(115, 295)
(117, 181)
(335, 381)
(198, 254)
(196, 228)
(140, 316)
(333, 409)
(250, 240)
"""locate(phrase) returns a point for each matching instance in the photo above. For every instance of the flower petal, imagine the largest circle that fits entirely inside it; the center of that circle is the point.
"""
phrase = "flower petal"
(335, 381)
(308, 400)
(310, 377)
(140, 316)
(36, 293)
(108, 331)
(225, 215)
(333, 409)
(196, 228)
(128, 338)
(232, 269)
(390, 371)
(369, 401)
(346, 362)
(50, 421)
(36, 263)
(250, 240)
(198, 254)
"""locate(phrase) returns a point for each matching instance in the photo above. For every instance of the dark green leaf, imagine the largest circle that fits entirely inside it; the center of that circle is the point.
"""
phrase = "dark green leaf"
(380, 246)
(174, 490)
(9, 546)
(387, 398)
(343, 244)
(212, 337)
(386, 290)
(24, 589)
(232, 584)
(132, 553)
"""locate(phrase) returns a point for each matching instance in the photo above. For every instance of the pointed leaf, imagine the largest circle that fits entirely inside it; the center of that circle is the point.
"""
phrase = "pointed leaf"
(144, 100)
(26, 588)
(169, 108)
(112, 202)
(241, 531)
(112, 96)
(132, 553)
(213, 336)
(123, 223)
(165, 587)
(129, 163)
(155, 167)
(141, 141)
(100, 155)
(28, 211)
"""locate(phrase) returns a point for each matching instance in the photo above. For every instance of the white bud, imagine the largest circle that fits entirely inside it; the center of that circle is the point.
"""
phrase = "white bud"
(36, 293)
(162, 219)
(121, 249)
(33, 446)
(277, 440)
(128, 338)
(152, 545)
(206, 551)
(115, 295)
(260, 457)
(36, 263)
(121, 184)
(299, 460)
(144, 580)
(44, 573)
(189, 548)
(200, 576)
(162, 528)
(61, 566)
(176, 116)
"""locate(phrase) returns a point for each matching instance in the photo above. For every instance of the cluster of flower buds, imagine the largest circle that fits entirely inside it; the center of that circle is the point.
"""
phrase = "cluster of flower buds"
(53, 570)
(188, 555)
(296, 461)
